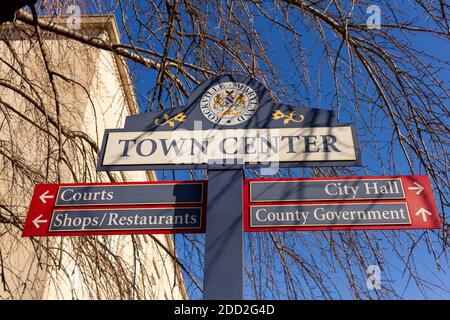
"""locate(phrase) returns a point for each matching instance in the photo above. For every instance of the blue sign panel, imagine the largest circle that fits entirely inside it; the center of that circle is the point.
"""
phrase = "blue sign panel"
(130, 194)
(327, 189)
(126, 219)
(348, 214)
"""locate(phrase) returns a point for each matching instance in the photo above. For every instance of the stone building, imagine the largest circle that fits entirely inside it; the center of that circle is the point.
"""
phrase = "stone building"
(56, 98)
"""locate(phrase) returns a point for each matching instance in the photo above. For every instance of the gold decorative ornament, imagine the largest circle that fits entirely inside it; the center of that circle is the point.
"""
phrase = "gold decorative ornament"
(278, 115)
(180, 117)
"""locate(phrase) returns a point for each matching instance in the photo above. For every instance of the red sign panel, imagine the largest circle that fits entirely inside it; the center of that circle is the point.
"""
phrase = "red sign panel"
(117, 209)
(340, 203)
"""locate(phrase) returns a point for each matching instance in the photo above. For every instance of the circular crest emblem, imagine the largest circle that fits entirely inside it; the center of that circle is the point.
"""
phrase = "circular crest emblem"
(229, 103)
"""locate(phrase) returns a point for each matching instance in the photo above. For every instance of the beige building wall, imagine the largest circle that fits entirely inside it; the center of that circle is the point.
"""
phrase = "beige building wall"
(93, 92)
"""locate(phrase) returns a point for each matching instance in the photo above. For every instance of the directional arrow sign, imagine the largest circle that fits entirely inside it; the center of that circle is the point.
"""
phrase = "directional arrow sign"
(417, 187)
(45, 196)
(127, 219)
(391, 202)
(117, 208)
(424, 214)
(38, 220)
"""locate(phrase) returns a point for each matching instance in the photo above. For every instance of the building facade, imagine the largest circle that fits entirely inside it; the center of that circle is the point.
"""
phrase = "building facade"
(56, 98)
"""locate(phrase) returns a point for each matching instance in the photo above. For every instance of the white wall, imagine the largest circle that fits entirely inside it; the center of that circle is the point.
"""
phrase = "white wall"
(94, 101)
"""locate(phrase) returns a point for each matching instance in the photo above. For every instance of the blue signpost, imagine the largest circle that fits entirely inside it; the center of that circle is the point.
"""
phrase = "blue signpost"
(229, 123)
(223, 278)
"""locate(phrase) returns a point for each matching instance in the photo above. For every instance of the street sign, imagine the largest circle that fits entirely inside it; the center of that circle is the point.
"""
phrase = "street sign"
(229, 123)
(119, 208)
(246, 146)
(360, 188)
(130, 194)
(397, 202)
(230, 120)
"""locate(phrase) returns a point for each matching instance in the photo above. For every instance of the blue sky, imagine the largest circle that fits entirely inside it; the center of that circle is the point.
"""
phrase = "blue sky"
(374, 147)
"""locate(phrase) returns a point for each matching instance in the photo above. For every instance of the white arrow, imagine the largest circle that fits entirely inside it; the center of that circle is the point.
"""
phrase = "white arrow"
(45, 196)
(417, 187)
(424, 214)
(37, 221)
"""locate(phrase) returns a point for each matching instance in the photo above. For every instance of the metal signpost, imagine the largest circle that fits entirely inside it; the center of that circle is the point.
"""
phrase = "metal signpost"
(230, 123)
(224, 249)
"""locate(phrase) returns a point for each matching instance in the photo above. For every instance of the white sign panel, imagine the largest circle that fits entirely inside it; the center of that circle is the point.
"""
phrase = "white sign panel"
(241, 145)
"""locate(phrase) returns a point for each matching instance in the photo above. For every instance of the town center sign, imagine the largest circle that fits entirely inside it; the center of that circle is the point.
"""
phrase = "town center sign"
(231, 120)
(230, 123)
